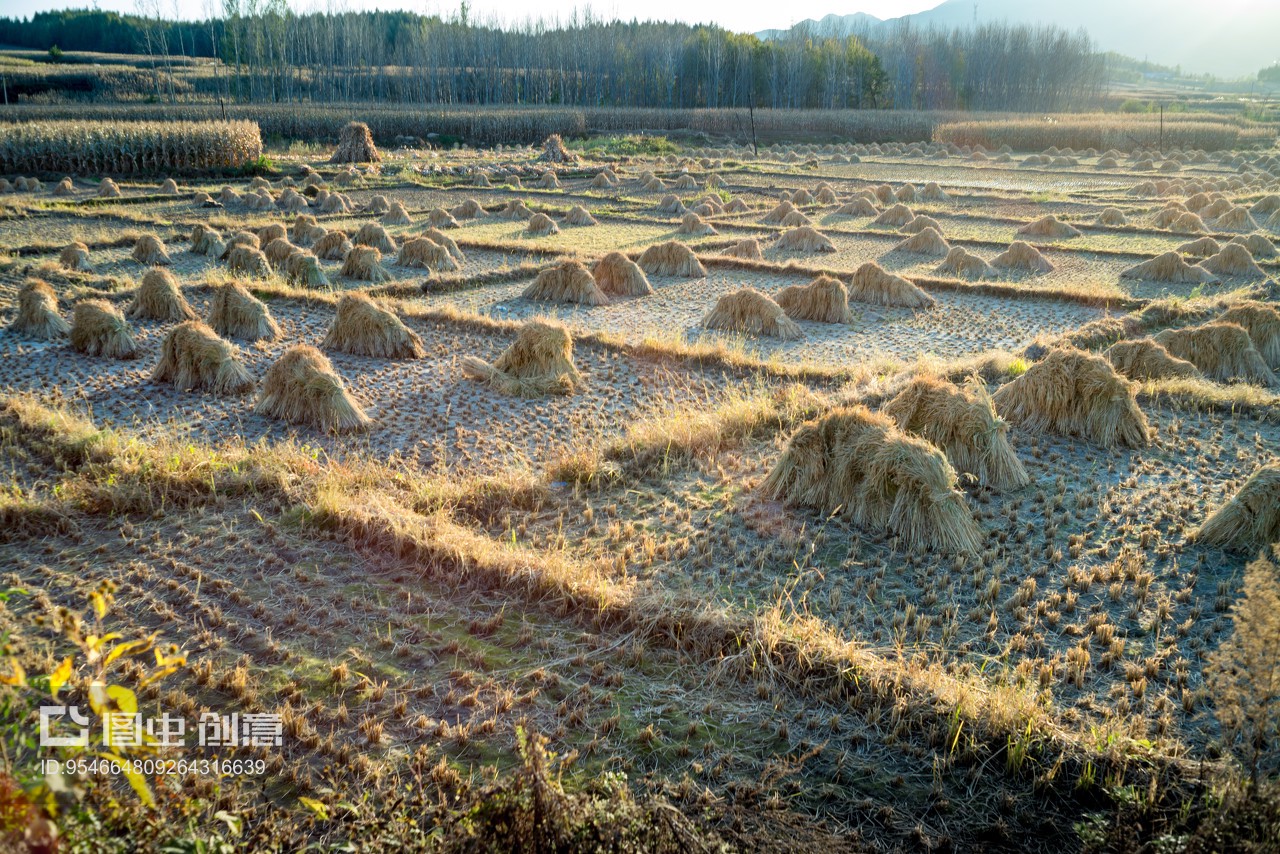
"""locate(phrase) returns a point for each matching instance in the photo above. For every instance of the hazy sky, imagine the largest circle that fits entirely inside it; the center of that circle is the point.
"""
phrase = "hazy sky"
(731, 14)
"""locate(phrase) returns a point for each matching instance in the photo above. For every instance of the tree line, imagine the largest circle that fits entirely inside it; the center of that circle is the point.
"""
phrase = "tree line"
(270, 54)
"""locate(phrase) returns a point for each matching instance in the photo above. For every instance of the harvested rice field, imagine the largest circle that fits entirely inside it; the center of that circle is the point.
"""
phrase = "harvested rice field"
(599, 478)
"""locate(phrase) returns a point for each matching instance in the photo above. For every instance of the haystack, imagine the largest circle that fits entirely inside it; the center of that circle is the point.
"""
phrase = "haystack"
(334, 246)
(960, 262)
(515, 209)
(441, 218)
(1112, 217)
(1022, 256)
(884, 194)
(578, 215)
(246, 261)
(693, 224)
(933, 193)
(361, 328)
(397, 215)
(364, 263)
(857, 207)
(748, 248)
(302, 226)
(685, 182)
(779, 213)
(336, 203)
(1169, 267)
(568, 281)
(246, 239)
(38, 315)
(303, 268)
(236, 313)
(795, 219)
(964, 424)
(1259, 245)
(601, 181)
(548, 181)
(919, 224)
(1235, 219)
(377, 205)
(736, 206)
(447, 242)
(872, 284)
(926, 242)
(192, 356)
(670, 204)
(617, 275)
(897, 216)
(424, 253)
(802, 197)
(373, 234)
(99, 329)
(1168, 215)
(554, 151)
(278, 252)
(65, 188)
(541, 225)
(150, 250)
(159, 297)
(1188, 223)
(1143, 359)
(355, 145)
(654, 185)
(1074, 393)
(205, 240)
(108, 189)
(303, 388)
(1201, 248)
(75, 256)
(469, 209)
(1233, 260)
(1262, 322)
(860, 463)
(271, 232)
(1250, 520)
(671, 259)
(825, 300)
(748, 311)
(806, 238)
(826, 196)
(539, 362)
(1049, 226)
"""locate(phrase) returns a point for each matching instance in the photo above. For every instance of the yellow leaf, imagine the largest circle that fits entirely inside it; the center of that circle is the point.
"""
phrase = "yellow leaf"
(128, 648)
(136, 780)
(112, 698)
(99, 604)
(157, 675)
(59, 677)
(18, 677)
(125, 700)
(317, 807)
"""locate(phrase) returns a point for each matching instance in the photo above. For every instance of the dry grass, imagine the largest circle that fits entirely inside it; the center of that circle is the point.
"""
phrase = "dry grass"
(159, 297)
(236, 313)
(99, 329)
(748, 311)
(568, 281)
(872, 284)
(38, 315)
(963, 423)
(1074, 393)
(1250, 520)
(859, 463)
(362, 328)
(192, 357)
(538, 363)
(825, 300)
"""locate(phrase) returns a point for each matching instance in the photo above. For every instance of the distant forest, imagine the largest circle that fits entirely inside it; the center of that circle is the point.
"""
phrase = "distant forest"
(270, 54)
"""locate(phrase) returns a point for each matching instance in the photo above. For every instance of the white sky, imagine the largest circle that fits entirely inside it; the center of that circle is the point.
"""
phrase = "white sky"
(734, 15)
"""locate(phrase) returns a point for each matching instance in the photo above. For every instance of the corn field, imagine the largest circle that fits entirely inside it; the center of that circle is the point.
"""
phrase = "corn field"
(124, 148)
(1125, 132)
